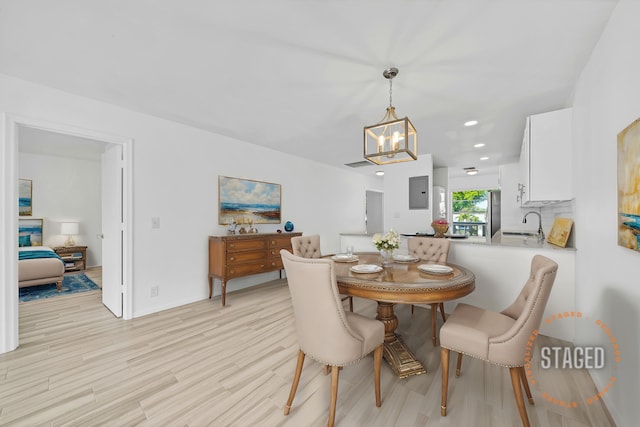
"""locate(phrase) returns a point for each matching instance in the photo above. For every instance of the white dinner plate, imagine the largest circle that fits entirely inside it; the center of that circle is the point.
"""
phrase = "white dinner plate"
(344, 258)
(404, 258)
(435, 268)
(366, 268)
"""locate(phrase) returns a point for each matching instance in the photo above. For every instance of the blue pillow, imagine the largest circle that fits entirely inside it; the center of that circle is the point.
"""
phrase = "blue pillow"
(24, 240)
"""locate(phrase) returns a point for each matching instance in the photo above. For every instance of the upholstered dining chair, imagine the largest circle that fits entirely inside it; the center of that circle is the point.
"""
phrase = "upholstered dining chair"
(326, 332)
(499, 338)
(436, 250)
(309, 247)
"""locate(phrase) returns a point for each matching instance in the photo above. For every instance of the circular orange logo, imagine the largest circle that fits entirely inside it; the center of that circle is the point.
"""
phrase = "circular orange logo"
(573, 357)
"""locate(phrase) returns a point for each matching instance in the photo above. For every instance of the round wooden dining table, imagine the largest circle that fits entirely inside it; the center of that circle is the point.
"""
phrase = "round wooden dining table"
(405, 283)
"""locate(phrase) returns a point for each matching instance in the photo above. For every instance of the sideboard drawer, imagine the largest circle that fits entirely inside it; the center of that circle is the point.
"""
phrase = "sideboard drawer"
(234, 258)
(246, 245)
(248, 269)
(280, 242)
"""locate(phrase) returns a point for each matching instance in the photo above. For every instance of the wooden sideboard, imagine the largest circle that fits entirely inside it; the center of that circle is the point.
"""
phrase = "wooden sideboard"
(238, 255)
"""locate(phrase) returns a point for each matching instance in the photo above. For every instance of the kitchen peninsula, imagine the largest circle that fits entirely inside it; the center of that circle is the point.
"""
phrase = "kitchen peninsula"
(501, 266)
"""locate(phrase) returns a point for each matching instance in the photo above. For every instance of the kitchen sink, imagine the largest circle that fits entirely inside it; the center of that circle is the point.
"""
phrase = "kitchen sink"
(519, 233)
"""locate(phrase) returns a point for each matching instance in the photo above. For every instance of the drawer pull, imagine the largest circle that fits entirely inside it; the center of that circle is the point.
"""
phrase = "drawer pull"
(261, 265)
(232, 271)
(232, 258)
(232, 245)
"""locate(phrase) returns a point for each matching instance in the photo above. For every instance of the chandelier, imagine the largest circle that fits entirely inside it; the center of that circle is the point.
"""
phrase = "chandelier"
(393, 140)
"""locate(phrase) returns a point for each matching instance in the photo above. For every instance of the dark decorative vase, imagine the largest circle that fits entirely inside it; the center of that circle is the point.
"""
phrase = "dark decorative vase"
(288, 226)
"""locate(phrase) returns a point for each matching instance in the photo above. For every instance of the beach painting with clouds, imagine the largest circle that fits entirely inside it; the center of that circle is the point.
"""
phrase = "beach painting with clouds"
(246, 201)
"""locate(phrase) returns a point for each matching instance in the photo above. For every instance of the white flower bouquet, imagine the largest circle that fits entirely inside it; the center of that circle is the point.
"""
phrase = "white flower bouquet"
(386, 242)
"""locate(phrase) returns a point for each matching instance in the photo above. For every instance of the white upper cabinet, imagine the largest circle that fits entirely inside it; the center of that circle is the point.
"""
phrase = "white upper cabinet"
(545, 159)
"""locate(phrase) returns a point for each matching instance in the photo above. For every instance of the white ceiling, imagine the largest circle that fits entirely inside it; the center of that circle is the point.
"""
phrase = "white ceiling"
(305, 77)
(38, 141)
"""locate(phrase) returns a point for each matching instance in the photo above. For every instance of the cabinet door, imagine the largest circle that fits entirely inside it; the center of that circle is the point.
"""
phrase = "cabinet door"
(550, 170)
(524, 164)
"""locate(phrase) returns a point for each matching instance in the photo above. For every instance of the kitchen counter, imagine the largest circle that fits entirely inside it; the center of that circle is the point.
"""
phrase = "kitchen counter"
(363, 242)
(523, 241)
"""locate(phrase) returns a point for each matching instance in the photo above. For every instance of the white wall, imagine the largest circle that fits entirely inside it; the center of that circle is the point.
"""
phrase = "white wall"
(175, 178)
(397, 214)
(66, 189)
(607, 99)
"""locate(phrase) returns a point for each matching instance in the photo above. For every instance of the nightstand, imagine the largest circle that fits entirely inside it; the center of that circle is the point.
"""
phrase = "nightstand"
(74, 257)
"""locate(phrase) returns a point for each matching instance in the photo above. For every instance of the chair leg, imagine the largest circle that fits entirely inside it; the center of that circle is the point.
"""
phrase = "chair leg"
(444, 319)
(434, 316)
(517, 390)
(459, 364)
(296, 379)
(377, 364)
(350, 299)
(525, 384)
(444, 356)
(335, 373)
(412, 309)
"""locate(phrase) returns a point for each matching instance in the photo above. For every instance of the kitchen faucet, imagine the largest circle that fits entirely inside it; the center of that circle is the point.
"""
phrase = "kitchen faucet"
(540, 232)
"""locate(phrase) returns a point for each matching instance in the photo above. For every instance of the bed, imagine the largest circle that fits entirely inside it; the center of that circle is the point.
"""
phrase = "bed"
(39, 265)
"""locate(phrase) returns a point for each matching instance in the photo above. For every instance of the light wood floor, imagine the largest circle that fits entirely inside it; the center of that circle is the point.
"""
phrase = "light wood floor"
(202, 365)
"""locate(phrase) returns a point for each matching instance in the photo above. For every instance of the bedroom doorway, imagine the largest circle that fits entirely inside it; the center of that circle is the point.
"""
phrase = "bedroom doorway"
(10, 159)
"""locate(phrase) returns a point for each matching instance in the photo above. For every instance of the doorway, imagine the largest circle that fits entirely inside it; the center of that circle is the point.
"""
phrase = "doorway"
(374, 212)
(9, 181)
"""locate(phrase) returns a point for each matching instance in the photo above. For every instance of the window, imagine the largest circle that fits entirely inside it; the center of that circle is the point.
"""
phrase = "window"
(469, 213)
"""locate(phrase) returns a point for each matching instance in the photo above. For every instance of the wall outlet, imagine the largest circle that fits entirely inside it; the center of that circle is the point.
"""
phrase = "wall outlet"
(153, 292)
(155, 222)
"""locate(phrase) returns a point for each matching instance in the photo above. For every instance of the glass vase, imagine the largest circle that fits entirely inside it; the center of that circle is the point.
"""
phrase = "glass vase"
(387, 257)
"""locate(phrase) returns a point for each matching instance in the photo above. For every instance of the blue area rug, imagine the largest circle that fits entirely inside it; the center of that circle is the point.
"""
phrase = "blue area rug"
(71, 284)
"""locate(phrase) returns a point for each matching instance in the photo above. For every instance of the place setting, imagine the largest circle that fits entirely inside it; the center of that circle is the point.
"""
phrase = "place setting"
(349, 256)
(366, 268)
(435, 269)
(345, 258)
(404, 258)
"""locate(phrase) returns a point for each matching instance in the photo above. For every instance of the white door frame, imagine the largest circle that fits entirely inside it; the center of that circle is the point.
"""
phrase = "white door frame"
(9, 217)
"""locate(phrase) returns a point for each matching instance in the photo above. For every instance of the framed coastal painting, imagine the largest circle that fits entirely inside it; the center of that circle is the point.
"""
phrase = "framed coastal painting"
(629, 186)
(25, 191)
(248, 202)
(30, 232)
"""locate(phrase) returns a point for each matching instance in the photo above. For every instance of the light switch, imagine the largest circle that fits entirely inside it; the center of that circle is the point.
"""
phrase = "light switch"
(155, 222)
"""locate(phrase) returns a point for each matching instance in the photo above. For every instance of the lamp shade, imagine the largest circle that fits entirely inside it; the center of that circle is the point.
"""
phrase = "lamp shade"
(69, 228)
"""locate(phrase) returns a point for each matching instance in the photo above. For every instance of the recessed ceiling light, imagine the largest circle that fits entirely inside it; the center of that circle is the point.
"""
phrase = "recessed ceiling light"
(484, 158)
(471, 170)
(471, 123)
(478, 145)
(379, 173)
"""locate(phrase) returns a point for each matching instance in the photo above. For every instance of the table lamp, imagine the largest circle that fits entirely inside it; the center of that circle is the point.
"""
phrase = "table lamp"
(70, 229)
